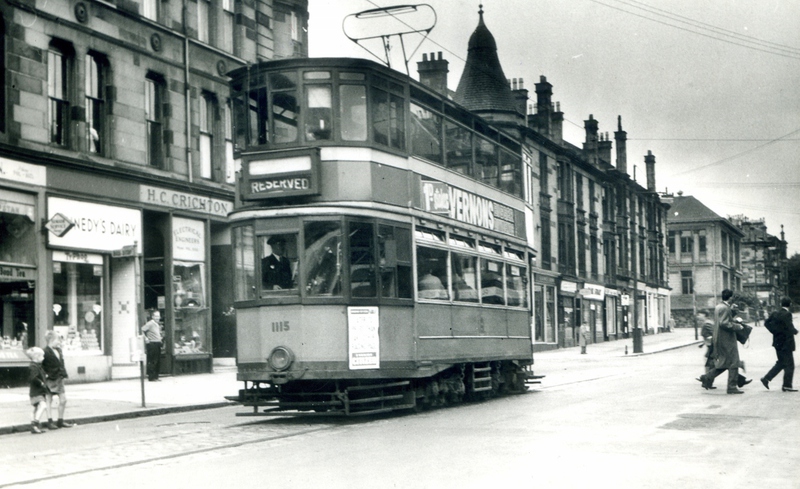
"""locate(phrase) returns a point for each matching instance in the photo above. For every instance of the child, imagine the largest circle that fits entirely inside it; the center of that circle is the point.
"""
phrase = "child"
(38, 387)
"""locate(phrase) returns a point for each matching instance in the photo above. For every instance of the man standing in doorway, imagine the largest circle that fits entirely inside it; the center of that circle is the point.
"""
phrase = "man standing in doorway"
(152, 339)
(780, 325)
(726, 349)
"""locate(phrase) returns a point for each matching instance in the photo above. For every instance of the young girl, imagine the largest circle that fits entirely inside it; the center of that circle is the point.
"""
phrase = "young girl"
(38, 388)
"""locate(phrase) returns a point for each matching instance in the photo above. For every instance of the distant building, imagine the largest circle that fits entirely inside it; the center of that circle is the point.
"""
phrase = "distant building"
(764, 263)
(704, 256)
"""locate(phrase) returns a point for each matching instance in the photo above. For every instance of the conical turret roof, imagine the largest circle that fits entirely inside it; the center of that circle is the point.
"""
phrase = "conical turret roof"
(483, 85)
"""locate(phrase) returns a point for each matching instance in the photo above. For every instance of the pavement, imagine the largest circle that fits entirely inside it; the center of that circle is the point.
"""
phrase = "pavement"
(122, 399)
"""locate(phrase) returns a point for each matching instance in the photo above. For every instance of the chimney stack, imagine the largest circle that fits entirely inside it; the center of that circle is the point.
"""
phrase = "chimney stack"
(433, 72)
(621, 137)
(604, 148)
(590, 145)
(557, 124)
(544, 105)
(520, 96)
(650, 165)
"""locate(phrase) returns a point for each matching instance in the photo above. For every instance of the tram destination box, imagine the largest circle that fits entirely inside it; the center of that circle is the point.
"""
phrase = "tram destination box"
(281, 175)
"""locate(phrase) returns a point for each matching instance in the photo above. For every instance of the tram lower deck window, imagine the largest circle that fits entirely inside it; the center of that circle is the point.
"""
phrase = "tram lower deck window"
(278, 263)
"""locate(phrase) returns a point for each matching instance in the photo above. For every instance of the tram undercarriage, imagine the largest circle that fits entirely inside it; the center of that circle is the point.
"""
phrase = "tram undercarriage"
(460, 383)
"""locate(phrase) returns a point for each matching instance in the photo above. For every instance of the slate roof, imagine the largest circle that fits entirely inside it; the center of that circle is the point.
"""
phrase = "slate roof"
(483, 85)
(688, 209)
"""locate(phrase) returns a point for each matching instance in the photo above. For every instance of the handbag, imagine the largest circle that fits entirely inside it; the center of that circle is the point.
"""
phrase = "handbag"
(742, 335)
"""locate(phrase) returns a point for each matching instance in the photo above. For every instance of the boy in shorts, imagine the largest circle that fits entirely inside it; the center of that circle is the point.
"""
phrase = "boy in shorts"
(38, 387)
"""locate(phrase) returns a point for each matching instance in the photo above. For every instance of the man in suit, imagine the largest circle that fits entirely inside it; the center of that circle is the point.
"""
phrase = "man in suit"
(276, 271)
(726, 348)
(780, 325)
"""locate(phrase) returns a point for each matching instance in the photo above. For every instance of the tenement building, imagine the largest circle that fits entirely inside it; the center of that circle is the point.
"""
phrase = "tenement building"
(765, 272)
(117, 172)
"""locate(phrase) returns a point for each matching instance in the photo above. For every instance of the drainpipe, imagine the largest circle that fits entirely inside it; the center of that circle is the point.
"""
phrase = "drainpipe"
(187, 94)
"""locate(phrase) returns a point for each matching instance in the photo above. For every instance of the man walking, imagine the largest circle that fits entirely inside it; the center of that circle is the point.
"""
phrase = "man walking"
(726, 349)
(780, 325)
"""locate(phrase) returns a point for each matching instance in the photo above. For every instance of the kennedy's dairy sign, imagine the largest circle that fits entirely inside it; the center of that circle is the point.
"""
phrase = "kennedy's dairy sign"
(441, 198)
(95, 226)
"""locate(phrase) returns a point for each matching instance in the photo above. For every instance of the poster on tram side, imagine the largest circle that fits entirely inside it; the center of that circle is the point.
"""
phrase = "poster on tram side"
(363, 339)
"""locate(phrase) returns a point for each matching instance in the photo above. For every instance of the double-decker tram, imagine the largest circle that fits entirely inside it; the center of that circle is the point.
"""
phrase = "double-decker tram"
(379, 241)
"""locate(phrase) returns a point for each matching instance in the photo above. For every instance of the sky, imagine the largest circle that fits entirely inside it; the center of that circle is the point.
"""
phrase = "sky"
(712, 88)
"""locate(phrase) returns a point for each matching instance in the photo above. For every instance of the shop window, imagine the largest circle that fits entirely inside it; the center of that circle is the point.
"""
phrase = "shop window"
(188, 292)
(78, 304)
(319, 112)
(244, 264)
(96, 69)
(353, 111)
(426, 134)
(59, 57)
(431, 273)
(278, 264)
(154, 117)
(323, 258)
(17, 233)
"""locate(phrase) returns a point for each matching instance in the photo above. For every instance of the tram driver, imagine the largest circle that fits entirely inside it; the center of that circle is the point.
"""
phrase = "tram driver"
(276, 271)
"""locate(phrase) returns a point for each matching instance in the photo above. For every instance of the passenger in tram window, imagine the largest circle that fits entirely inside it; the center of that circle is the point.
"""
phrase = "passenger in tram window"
(430, 286)
(491, 283)
(276, 271)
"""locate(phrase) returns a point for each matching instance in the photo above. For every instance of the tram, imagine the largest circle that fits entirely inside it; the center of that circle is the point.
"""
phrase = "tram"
(379, 242)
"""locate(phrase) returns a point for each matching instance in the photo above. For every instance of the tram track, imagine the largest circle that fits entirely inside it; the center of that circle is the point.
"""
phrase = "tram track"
(170, 446)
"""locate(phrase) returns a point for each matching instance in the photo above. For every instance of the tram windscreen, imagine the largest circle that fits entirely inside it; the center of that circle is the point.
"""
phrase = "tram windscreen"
(323, 258)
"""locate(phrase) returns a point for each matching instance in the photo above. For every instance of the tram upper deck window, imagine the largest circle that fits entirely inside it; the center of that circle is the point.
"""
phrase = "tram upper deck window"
(319, 109)
(460, 242)
(278, 263)
(353, 112)
(510, 173)
(486, 167)
(426, 133)
(513, 254)
(323, 258)
(458, 147)
(285, 108)
(388, 114)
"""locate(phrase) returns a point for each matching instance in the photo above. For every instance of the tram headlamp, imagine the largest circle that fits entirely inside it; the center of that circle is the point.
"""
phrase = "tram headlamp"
(281, 358)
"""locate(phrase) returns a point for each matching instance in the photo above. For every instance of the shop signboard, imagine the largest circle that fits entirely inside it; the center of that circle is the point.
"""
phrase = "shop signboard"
(59, 225)
(97, 227)
(18, 171)
(188, 239)
(16, 274)
(593, 292)
(183, 201)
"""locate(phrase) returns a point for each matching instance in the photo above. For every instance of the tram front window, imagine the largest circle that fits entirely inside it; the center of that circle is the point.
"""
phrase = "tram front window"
(323, 258)
(362, 260)
(278, 263)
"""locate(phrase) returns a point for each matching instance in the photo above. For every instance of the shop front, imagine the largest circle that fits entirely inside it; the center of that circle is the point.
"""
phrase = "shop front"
(544, 303)
(593, 296)
(95, 285)
(568, 314)
(186, 249)
(613, 310)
